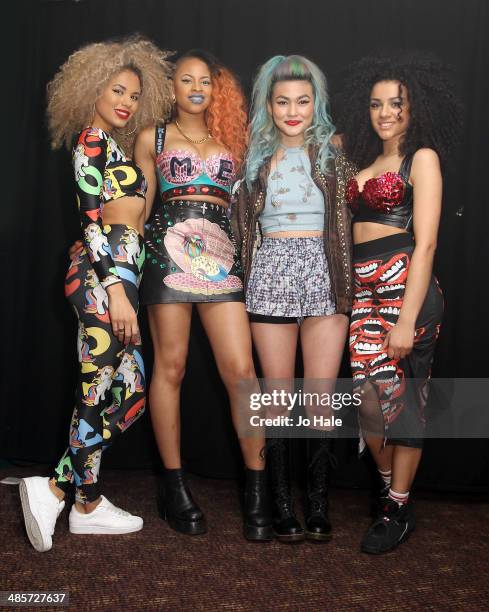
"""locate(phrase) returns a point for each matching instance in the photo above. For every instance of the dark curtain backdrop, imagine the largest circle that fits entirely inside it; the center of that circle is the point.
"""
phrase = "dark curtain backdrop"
(38, 328)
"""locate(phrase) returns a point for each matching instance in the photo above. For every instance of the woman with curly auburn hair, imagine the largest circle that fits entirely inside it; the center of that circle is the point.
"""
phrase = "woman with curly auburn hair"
(98, 100)
(401, 118)
(294, 230)
(191, 259)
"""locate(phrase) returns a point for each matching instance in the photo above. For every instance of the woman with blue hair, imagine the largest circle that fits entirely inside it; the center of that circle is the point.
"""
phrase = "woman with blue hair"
(291, 218)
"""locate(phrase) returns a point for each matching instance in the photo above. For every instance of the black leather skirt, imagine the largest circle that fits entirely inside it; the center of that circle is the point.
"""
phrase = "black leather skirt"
(190, 255)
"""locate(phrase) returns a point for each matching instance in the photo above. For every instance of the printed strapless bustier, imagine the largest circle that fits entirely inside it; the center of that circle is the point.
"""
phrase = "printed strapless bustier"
(183, 172)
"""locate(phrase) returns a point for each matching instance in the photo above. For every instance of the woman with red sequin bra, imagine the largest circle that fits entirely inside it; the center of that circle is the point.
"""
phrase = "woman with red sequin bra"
(413, 122)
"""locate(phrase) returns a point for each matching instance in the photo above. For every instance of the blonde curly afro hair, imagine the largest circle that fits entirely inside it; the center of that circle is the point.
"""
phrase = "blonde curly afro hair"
(82, 78)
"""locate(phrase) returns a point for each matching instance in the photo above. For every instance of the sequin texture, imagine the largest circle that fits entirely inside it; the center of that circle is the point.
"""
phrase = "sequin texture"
(384, 192)
(352, 194)
(381, 193)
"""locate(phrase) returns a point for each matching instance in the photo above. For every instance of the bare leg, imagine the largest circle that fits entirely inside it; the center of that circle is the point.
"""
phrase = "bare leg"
(276, 345)
(405, 462)
(402, 461)
(323, 341)
(381, 456)
(170, 330)
(60, 494)
(88, 507)
(373, 428)
(228, 330)
(226, 325)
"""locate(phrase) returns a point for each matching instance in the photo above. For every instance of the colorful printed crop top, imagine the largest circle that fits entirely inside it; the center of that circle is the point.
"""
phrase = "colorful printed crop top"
(102, 174)
(183, 173)
(386, 199)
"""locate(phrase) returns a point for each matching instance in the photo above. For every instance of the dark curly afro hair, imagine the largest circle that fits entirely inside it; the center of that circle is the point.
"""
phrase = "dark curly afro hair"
(436, 114)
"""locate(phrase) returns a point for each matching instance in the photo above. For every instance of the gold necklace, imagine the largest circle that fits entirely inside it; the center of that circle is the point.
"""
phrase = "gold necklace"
(201, 141)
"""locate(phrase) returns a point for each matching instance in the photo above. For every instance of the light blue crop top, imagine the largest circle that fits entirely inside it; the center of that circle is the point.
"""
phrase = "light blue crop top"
(293, 201)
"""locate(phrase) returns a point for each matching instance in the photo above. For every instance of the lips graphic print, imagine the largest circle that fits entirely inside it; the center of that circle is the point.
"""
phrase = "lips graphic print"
(396, 387)
(378, 294)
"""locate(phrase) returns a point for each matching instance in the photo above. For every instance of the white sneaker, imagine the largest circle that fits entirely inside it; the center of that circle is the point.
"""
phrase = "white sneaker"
(41, 509)
(105, 519)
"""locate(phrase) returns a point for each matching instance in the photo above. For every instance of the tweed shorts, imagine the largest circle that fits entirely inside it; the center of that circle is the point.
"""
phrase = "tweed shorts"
(290, 278)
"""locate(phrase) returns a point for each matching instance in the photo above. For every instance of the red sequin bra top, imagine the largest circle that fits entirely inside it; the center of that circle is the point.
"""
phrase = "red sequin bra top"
(386, 199)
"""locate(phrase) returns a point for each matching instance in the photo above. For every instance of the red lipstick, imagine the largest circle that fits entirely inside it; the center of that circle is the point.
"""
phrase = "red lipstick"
(123, 114)
(292, 123)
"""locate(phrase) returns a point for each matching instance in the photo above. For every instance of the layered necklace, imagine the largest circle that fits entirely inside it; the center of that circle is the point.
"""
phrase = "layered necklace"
(200, 141)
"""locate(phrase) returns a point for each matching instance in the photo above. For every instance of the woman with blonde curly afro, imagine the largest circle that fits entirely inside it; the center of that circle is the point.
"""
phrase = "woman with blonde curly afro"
(191, 259)
(99, 99)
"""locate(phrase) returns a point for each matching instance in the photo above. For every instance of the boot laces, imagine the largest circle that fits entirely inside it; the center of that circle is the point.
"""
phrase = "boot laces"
(280, 477)
(322, 459)
(330, 457)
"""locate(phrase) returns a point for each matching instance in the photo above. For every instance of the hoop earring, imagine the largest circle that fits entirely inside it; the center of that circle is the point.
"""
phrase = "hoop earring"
(129, 133)
(132, 132)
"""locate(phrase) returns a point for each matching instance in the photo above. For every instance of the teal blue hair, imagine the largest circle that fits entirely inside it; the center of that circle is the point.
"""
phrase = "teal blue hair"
(264, 136)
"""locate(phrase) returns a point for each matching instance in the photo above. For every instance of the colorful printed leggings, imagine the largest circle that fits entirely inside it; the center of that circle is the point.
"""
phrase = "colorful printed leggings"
(110, 393)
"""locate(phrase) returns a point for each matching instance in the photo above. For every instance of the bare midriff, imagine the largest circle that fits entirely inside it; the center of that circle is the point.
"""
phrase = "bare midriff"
(128, 210)
(201, 198)
(365, 231)
(296, 234)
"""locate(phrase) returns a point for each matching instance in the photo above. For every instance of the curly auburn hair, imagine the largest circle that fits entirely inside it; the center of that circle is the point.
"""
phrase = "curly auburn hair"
(226, 116)
(73, 91)
(436, 114)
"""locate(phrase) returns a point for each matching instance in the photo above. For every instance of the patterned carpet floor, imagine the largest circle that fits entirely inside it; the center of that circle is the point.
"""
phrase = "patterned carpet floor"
(443, 566)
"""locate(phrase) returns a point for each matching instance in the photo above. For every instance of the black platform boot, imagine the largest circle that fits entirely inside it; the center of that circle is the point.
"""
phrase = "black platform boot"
(257, 507)
(176, 505)
(320, 458)
(286, 527)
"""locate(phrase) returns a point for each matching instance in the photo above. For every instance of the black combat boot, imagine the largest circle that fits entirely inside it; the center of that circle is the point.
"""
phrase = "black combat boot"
(257, 507)
(320, 459)
(286, 527)
(177, 506)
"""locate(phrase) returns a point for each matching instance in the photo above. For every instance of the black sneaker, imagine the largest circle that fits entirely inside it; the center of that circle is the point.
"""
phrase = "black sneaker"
(392, 526)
